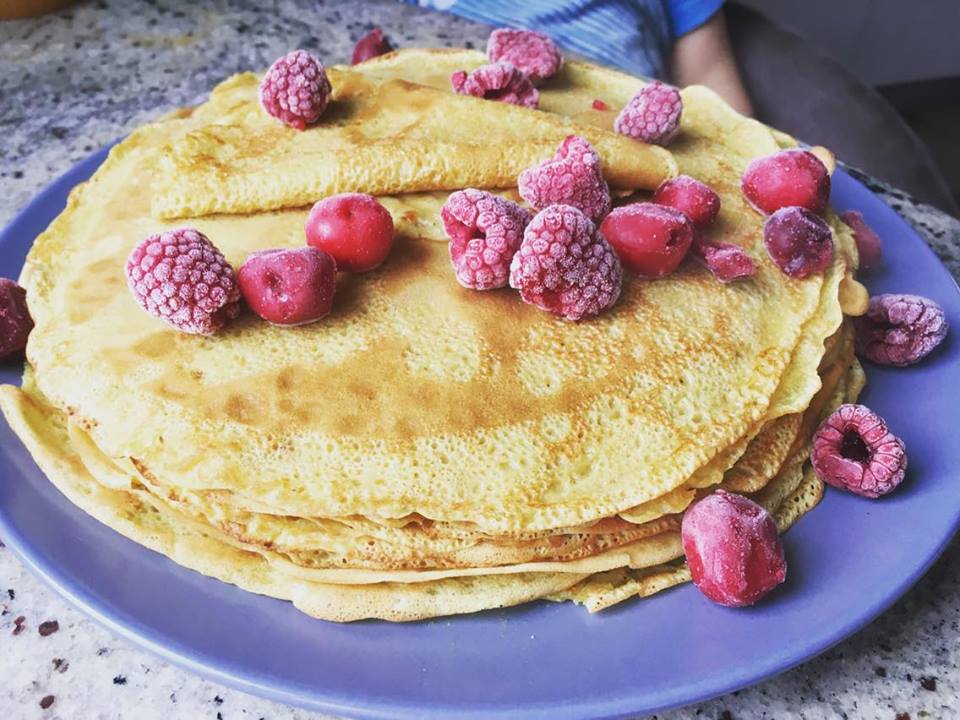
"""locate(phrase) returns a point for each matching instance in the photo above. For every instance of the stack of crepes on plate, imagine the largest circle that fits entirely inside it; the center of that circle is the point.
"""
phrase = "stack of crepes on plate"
(426, 449)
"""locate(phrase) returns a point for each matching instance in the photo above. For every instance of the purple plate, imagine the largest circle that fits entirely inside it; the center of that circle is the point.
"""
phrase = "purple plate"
(849, 560)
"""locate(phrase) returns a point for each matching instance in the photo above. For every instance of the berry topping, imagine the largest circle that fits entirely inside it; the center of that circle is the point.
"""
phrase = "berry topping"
(533, 52)
(355, 228)
(650, 239)
(869, 247)
(727, 262)
(788, 177)
(564, 266)
(691, 197)
(180, 276)
(853, 450)
(370, 46)
(15, 321)
(799, 242)
(295, 89)
(290, 286)
(732, 548)
(652, 115)
(573, 177)
(599, 105)
(900, 329)
(485, 232)
(499, 81)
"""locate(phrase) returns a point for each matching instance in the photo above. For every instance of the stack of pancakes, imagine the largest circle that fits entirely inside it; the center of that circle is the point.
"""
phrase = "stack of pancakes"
(426, 449)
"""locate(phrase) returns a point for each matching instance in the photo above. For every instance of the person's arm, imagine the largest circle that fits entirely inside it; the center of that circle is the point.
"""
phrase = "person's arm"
(703, 56)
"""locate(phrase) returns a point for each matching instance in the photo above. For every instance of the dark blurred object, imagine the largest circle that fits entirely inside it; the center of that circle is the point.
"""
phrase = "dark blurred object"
(370, 45)
(14, 9)
(814, 98)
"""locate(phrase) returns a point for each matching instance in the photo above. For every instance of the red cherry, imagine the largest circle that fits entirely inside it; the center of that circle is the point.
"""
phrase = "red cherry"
(290, 286)
(650, 239)
(354, 228)
(369, 46)
(799, 242)
(789, 177)
(691, 197)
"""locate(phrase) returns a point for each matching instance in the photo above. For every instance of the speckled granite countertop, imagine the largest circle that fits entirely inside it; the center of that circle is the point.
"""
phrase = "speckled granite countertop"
(71, 83)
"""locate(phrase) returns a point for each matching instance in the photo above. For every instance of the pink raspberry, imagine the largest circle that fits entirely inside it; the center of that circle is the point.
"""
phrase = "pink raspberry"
(727, 262)
(733, 550)
(868, 242)
(485, 231)
(788, 177)
(180, 276)
(565, 266)
(853, 450)
(573, 177)
(652, 115)
(289, 286)
(15, 320)
(295, 89)
(533, 52)
(693, 198)
(900, 329)
(370, 46)
(799, 242)
(500, 81)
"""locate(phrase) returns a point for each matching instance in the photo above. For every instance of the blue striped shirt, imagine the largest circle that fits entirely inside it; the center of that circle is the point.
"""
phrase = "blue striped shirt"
(633, 35)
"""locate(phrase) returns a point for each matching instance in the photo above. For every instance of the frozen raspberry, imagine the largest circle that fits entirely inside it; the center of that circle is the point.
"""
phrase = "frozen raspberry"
(15, 320)
(564, 266)
(799, 242)
(853, 450)
(900, 329)
(869, 247)
(500, 81)
(295, 89)
(290, 286)
(370, 46)
(650, 239)
(732, 548)
(600, 105)
(652, 115)
(180, 276)
(727, 262)
(485, 231)
(533, 52)
(573, 177)
(355, 228)
(788, 177)
(691, 197)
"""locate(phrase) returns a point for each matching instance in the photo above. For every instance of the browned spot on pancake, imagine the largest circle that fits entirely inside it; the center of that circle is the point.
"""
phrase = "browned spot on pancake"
(156, 345)
(243, 408)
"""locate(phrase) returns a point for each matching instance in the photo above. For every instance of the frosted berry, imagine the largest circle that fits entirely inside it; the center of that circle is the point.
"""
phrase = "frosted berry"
(15, 320)
(355, 228)
(733, 550)
(289, 286)
(869, 247)
(900, 329)
(181, 277)
(652, 115)
(853, 450)
(295, 89)
(788, 177)
(370, 46)
(485, 232)
(650, 239)
(499, 81)
(726, 261)
(564, 266)
(533, 52)
(799, 242)
(691, 197)
(573, 177)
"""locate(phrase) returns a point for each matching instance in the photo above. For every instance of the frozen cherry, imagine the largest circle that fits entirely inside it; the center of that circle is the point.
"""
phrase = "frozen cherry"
(789, 177)
(900, 329)
(354, 228)
(370, 46)
(691, 197)
(853, 450)
(650, 239)
(727, 262)
(289, 286)
(733, 549)
(869, 247)
(15, 321)
(799, 242)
